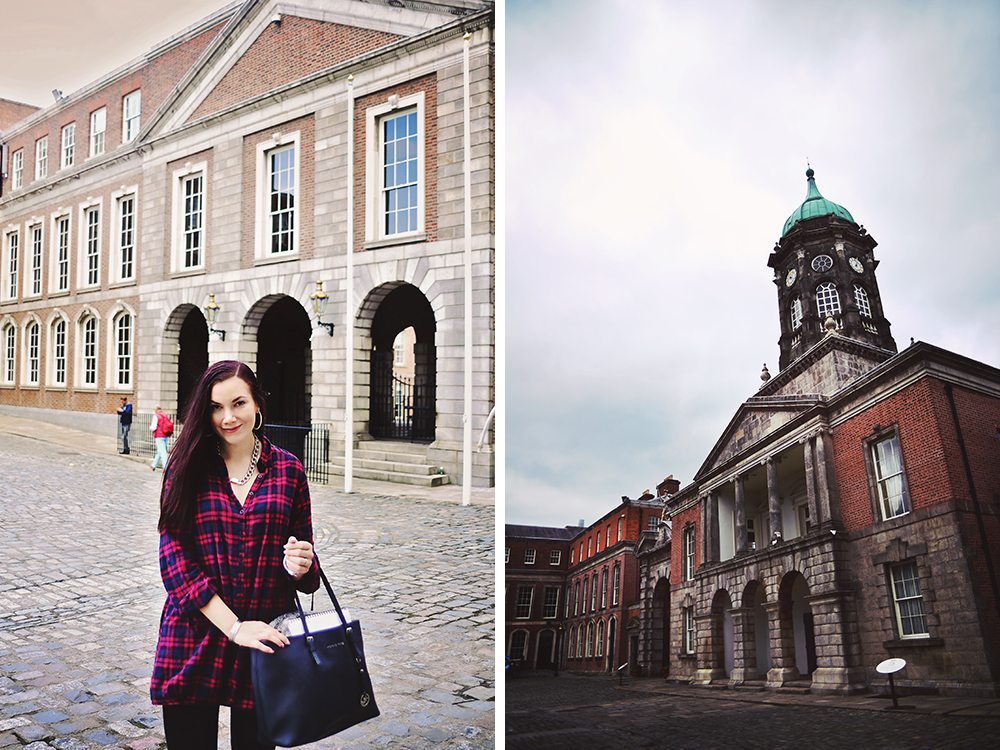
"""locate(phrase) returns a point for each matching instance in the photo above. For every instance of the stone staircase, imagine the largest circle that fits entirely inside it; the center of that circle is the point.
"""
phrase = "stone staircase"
(390, 461)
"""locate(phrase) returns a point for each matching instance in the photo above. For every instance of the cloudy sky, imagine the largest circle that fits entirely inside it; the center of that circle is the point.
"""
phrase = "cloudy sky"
(66, 44)
(654, 151)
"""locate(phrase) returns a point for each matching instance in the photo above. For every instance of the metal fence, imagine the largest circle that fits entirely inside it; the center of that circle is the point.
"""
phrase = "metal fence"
(309, 443)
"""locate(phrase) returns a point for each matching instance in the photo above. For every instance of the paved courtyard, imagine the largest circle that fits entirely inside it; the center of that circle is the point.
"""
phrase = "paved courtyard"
(80, 599)
(574, 712)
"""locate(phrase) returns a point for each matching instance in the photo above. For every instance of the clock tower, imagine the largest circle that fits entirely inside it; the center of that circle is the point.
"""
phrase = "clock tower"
(824, 268)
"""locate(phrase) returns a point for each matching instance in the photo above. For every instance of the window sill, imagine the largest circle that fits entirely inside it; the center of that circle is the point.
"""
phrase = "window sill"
(121, 283)
(687, 657)
(187, 273)
(914, 643)
(276, 258)
(403, 239)
(120, 389)
(56, 387)
(59, 293)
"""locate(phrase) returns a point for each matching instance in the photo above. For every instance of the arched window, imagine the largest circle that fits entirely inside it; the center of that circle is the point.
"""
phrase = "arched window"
(586, 591)
(600, 638)
(88, 352)
(32, 357)
(58, 362)
(590, 639)
(827, 300)
(796, 313)
(579, 643)
(861, 298)
(604, 588)
(576, 598)
(518, 644)
(615, 584)
(8, 342)
(593, 592)
(122, 326)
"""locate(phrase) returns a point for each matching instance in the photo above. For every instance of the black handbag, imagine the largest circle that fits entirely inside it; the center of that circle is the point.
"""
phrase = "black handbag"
(317, 685)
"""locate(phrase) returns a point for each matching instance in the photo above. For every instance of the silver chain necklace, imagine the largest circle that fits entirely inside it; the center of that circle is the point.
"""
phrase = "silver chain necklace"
(251, 468)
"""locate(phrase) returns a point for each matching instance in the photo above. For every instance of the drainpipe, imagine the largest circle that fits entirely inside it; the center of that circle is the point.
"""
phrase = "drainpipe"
(467, 170)
(349, 301)
(984, 538)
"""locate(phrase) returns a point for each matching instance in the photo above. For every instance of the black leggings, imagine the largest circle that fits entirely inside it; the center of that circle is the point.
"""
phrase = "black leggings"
(197, 728)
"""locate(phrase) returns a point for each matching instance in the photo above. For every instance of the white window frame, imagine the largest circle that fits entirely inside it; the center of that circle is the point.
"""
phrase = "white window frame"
(688, 551)
(42, 158)
(555, 557)
(881, 480)
(262, 235)
(520, 606)
(118, 199)
(53, 359)
(600, 640)
(529, 557)
(112, 372)
(10, 285)
(550, 604)
(616, 579)
(687, 630)
(55, 238)
(827, 300)
(98, 135)
(604, 588)
(796, 313)
(911, 595)
(8, 352)
(181, 177)
(31, 372)
(80, 358)
(862, 301)
(593, 592)
(653, 523)
(131, 115)
(17, 170)
(523, 647)
(36, 259)
(506, 555)
(590, 639)
(67, 145)
(84, 247)
(374, 201)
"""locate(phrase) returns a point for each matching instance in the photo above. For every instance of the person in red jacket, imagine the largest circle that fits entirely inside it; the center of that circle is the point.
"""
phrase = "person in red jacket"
(235, 539)
(160, 439)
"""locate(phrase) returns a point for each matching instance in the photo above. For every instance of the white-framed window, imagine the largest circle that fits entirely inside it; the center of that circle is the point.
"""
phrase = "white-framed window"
(506, 555)
(17, 169)
(600, 638)
(687, 630)
(576, 598)
(550, 607)
(590, 639)
(607, 536)
(32, 351)
(59, 244)
(590, 546)
(12, 250)
(796, 313)
(8, 342)
(124, 235)
(67, 149)
(586, 594)
(42, 157)
(98, 128)
(57, 353)
(688, 551)
(122, 333)
(593, 592)
(34, 282)
(890, 484)
(616, 580)
(802, 514)
(87, 351)
(861, 299)
(395, 148)
(908, 600)
(619, 537)
(827, 300)
(278, 196)
(518, 645)
(751, 533)
(599, 536)
(579, 643)
(188, 236)
(529, 557)
(555, 557)
(653, 523)
(571, 650)
(90, 245)
(131, 111)
(604, 588)
(524, 596)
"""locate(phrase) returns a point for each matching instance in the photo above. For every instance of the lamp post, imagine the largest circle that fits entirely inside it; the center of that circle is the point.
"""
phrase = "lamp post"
(319, 299)
(212, 315)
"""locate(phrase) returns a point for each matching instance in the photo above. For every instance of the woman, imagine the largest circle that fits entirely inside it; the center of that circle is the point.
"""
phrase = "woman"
(235, 537)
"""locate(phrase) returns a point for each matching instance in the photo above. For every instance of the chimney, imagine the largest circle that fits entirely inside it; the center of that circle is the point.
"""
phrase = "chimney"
(668, 487)
(580, 523)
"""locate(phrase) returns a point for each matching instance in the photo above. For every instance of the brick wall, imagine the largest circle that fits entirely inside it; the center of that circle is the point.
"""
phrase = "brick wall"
(12, 113)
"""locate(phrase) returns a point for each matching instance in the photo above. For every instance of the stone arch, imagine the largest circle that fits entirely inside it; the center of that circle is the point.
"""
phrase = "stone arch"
(721, 633)
(612, 636)
(796, 639)
(545, 649)
(659, 628)
(171, 357)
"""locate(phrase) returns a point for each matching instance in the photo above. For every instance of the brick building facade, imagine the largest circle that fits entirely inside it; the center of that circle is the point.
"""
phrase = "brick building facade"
(849, 513)
(263, 157)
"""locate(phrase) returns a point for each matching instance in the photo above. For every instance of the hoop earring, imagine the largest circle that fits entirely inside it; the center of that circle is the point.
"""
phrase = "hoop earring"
(256, 427)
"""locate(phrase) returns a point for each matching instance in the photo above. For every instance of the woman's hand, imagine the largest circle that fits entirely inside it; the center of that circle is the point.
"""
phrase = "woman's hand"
(255, 634)
(298, 557)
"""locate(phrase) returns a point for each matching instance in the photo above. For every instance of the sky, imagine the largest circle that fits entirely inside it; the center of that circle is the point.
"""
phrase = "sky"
(654, 151)
(66, 44)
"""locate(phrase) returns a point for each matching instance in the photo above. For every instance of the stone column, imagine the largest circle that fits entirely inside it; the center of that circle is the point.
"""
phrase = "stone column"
(741, 518)
(707, 647)
(825, 438)
(744, 647)
(838, 659)
(713, 526)
(703, 526)
(782, 641)
(773, 501)
(807, 455)
(822, 478)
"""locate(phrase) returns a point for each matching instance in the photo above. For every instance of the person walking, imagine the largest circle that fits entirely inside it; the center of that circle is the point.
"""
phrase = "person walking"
(161, 437)
(235, 538)
(124, 424)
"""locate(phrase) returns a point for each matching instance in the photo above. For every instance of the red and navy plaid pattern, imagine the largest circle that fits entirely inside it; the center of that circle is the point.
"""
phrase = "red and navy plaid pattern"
(235, 552)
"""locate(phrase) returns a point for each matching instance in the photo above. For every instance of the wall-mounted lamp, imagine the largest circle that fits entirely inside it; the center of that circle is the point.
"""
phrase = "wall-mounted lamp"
(276, 19)
(212, 315)
(319, 299)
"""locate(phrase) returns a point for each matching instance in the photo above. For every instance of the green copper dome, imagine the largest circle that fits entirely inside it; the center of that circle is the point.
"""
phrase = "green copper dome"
(815, 205)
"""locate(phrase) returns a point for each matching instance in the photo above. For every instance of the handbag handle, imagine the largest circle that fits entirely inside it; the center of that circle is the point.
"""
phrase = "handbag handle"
(340, 613)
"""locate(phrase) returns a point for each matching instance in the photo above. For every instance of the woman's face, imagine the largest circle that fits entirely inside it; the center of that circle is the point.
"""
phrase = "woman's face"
(233, 411)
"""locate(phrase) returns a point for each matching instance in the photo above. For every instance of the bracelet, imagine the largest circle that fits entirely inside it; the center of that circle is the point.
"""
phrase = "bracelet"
(233, 630)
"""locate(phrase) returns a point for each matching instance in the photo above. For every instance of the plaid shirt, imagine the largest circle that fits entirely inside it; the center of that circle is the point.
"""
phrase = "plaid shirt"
(237, 553)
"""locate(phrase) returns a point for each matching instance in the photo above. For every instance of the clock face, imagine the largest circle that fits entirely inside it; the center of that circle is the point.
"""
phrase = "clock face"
(790, 276)
(857, 265)
(822, 263)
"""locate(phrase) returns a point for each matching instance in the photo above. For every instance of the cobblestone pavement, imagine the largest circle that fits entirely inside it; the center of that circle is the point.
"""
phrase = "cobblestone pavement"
(80, 598)
(594, 712)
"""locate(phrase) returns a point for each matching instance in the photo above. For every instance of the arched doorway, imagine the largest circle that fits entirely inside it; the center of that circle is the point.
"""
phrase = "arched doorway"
(722, 632)
(756, 597)
(612, 640)
(659, 632)
(545, 657)
(402, 406)
(192, 357)
(284, 361)
(795, 615)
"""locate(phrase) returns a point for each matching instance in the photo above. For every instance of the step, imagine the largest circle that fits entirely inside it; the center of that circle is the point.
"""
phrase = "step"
(398, 457)
(379, 465)
(422, 480)
(393, 446)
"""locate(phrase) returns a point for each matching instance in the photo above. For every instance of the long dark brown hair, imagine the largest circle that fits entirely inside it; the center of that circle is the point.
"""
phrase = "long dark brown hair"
(198, 444)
